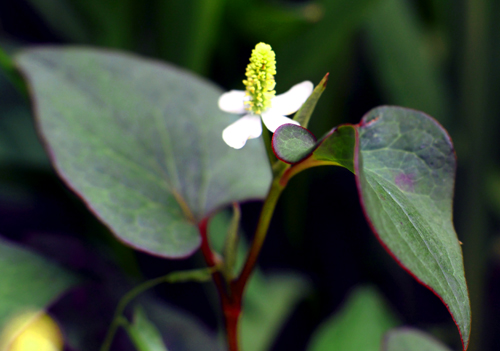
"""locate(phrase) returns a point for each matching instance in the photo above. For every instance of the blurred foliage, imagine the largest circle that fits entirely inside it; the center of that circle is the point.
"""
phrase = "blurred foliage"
(411, 340)
(144, 334)
(438, 56)
(28, 282)
(359, 326)
(406, 59)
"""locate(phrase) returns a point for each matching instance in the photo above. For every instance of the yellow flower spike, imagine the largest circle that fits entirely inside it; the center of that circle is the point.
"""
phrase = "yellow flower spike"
(260, 79)
(255, 102)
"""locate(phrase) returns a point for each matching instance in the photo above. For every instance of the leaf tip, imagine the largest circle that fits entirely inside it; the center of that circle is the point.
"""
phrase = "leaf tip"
(325, 79)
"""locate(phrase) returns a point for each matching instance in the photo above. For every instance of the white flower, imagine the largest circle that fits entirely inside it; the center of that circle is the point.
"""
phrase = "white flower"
(249, 126)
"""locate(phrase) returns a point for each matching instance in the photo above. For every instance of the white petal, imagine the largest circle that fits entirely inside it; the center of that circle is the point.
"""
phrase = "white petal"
(232, 101)
(273, 121)
(237, 133)
(289, 102)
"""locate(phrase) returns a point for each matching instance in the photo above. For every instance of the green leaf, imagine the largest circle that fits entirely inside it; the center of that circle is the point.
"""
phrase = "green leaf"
(405, 168)
(336, 148)
(358, 326)
(291, 143)
(269, 300)
(405, 171)
(28, 282)
(402, 61)
(305, 112)
(408, 339)
(140, 142)
(144, 334)
(230, 251)
(180, 330)
(218, 230)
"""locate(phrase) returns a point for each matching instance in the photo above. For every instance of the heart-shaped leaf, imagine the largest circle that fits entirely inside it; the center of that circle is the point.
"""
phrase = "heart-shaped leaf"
(140, 142)
(405, 171)
(409, 339)
(28, 282)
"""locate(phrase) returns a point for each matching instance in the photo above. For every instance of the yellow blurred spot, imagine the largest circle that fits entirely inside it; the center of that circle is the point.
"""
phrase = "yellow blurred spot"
(31, 331)
(313, 12)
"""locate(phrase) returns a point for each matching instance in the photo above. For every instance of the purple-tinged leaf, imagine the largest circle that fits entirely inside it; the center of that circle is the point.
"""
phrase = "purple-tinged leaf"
(405, 171)
(404, 164)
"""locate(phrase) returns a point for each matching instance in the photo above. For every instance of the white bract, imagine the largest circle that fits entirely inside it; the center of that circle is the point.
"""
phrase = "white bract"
(249, 126)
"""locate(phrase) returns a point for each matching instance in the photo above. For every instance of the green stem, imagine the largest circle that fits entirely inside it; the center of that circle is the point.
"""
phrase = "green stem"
(195, 274)
(203, 34)
(282, 173)
(231, 244)
(474, 98)
(260, 233)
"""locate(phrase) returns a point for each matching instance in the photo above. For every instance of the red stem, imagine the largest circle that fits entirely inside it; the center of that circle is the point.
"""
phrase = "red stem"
(231, 294)
(205, 245)
(230, 301)
(232, 312)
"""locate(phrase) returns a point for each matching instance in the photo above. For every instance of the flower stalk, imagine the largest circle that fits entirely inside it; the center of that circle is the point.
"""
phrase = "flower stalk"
(261, 108)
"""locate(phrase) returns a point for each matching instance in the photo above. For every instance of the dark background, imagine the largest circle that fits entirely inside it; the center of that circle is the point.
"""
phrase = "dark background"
(438, 56)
